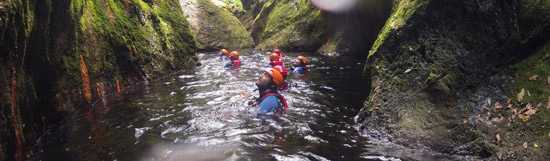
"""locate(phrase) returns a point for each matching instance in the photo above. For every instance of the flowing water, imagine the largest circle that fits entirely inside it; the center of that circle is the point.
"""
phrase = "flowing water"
(203, 115)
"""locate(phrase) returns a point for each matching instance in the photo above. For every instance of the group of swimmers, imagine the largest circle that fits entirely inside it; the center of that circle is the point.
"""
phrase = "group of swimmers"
(271, 81)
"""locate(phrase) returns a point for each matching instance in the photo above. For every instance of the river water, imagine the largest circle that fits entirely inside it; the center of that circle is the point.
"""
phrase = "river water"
(202, 115)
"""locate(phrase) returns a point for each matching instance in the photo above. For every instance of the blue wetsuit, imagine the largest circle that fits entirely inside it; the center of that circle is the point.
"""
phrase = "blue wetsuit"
(270, 105)
(299, 70)
(224, 58)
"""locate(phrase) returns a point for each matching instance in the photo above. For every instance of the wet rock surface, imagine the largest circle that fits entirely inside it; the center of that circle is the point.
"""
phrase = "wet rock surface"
(57, 55)
(450, 80)
(215, 27)
(434, 67)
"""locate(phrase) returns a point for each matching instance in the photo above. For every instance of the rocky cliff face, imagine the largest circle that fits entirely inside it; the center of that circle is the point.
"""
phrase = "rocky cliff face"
(215, 26)
(354, 30)
(448, 74)
(300, 26)
(57, 54)
(290, 24)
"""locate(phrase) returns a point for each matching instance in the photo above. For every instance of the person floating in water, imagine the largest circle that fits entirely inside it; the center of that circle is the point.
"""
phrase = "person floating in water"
(270, 103)
(275, 59)
(283, 72)
(235, 61)
(299, 66)
(224, 55)
(280, 53)
(276, 62)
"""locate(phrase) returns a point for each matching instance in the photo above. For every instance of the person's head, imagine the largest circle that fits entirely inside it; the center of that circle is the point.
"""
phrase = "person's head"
(270, 79)
(281, 70)
(274, 57)
(302, 60)
(276, 50)
(224, 51)
(234, 55)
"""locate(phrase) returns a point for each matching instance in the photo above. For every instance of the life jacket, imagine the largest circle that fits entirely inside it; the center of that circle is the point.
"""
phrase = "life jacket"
(275, 63)
(284, 87)
(236, 62)
(281, 55)
(281, 98)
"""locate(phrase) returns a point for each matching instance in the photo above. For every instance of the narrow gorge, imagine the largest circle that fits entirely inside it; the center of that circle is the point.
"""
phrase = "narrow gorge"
(389, 80)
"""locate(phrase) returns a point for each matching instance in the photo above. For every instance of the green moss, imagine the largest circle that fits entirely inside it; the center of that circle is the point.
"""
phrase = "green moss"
(536, 67)
(108, 26)
(291, 24)
(532, 75)
(235, 6)
(263, 11)
(220, 28)
(421, 120)
(286, 13)
(401, 12)
(142, 5)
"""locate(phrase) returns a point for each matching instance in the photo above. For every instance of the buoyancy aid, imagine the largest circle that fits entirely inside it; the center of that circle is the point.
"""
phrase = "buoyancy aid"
(281, 98)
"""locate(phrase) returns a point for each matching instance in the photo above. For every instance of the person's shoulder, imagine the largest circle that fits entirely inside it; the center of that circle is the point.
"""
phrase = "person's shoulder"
(271, 98)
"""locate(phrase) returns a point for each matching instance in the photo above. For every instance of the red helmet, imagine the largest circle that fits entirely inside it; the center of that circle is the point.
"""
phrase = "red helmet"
(274, 57)
(277, 51)
(281, 69)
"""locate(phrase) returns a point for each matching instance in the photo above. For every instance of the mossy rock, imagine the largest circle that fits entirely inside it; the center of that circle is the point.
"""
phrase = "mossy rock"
(354, 31)
(153, 37)
(426, 67)
(120, 41)
(531, 78)
(401, 13)
(215, 27)
(291, 25)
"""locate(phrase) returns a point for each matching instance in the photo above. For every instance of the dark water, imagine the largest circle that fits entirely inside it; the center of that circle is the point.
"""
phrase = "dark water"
(202, 115)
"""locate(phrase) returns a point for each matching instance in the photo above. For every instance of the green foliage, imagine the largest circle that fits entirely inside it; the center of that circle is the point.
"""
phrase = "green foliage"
(220, 28)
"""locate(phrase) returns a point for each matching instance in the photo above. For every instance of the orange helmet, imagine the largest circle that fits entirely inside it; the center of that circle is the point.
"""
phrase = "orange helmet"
(276, 76)
(303, 60)
(225, 52)
(274, 57)
(234, 54)
(279, 68)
